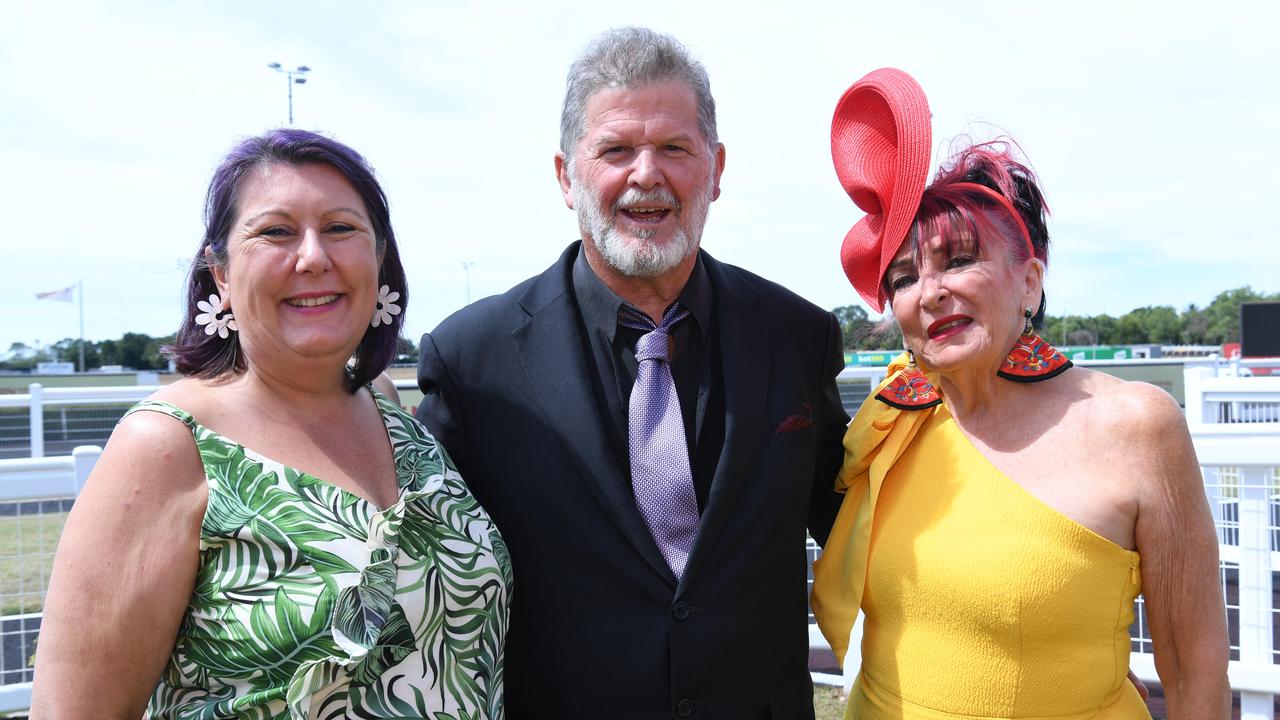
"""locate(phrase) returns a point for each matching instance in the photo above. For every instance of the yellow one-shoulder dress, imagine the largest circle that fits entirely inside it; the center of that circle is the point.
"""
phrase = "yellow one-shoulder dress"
(980, 601)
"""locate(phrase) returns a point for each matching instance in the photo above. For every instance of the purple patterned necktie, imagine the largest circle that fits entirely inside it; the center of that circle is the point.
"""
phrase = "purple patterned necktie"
(660, 476)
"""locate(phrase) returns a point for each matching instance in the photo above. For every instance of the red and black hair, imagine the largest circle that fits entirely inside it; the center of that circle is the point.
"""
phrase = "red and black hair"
(963, 216)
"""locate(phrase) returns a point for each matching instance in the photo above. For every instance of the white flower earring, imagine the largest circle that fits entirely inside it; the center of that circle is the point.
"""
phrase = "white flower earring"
(210, 320)
(386, 308)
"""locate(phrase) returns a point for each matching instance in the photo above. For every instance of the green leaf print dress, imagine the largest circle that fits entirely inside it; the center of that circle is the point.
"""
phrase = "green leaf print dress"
(311, 603)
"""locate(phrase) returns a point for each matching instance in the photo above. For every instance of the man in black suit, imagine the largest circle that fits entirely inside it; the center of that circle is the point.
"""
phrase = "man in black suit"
(659, 555)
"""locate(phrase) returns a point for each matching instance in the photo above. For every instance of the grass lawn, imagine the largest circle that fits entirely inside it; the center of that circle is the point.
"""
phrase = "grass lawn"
(27, 543)
(827, 702)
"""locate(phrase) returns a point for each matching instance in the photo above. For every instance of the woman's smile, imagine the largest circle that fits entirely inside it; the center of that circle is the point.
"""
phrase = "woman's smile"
(948, 326)
(311, 303)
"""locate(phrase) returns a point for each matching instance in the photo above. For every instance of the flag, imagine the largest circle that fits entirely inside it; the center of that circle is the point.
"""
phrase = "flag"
(63, 295)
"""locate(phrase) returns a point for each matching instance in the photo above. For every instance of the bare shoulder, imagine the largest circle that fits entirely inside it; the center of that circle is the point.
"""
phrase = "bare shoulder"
(1136, 411)
(153, 448)
(194, 396)
(387, 387)
(1138, 432)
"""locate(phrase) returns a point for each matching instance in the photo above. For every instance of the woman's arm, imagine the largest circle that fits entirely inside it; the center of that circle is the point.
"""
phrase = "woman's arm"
(1179, 548)
(123, 574)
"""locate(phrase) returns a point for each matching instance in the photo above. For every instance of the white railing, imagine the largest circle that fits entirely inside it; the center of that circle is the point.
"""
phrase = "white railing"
(1233, 420)
(1242, 482)
(1213, 400)
(35, 494)
(38, 398)
(41, 478)
(1236, 432)
(94, 427)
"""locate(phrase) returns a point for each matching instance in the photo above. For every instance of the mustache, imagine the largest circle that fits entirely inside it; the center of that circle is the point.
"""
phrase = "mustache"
(656, 196)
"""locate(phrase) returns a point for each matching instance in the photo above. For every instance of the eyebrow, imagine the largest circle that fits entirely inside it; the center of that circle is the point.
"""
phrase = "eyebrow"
(287, 216)
(604, 140)
(901, 262)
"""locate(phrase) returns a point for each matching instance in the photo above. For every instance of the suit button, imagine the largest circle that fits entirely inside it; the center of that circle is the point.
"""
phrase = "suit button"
(684, 708)
(680, 610)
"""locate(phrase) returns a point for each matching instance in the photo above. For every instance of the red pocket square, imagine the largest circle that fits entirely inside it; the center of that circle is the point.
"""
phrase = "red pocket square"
(797, 421)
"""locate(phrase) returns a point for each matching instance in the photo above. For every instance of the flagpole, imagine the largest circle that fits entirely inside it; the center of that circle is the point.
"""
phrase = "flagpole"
(80, 294)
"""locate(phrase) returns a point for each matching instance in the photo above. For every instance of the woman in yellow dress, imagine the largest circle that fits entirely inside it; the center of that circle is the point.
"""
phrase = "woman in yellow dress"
(1002, 508)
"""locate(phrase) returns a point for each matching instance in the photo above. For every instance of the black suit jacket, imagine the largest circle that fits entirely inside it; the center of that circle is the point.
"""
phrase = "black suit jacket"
(599, 626)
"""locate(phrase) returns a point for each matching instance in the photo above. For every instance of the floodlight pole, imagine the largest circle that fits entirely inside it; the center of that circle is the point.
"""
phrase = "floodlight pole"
(300, 73)
(466, 268)
(80, 296)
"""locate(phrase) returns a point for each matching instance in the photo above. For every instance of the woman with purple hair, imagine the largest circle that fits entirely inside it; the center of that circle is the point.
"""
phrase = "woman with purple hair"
(272, 535)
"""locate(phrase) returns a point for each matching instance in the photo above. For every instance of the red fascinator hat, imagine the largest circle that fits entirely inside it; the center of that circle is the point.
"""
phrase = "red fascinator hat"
(880, 143)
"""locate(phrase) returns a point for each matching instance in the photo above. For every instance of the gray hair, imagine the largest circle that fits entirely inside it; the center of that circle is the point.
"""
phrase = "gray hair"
(632, 57)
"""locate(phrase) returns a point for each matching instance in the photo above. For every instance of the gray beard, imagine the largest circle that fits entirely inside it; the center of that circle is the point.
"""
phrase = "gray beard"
(639, 258)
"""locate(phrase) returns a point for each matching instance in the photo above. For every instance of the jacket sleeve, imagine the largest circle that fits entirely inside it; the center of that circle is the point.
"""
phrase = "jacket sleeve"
(824, 501)
(440, 410)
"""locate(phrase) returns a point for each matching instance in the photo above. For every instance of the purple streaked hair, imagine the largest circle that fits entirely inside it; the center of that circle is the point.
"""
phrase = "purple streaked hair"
(208, 356)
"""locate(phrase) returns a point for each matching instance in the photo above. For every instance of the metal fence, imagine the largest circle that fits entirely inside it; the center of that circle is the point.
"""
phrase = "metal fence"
(1240, 461)
(35, 495)
(1236, 423)
(53, 421)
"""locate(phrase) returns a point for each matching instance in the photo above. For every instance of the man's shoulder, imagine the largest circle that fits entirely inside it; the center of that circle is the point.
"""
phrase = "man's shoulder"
(499, 315)
(485, 313)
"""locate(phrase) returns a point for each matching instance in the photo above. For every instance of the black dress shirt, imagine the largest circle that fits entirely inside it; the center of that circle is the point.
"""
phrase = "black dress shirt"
(695, 367)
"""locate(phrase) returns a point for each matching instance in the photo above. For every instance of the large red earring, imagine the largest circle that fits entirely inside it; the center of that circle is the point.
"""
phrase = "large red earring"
(1032, 358)
(909, 389)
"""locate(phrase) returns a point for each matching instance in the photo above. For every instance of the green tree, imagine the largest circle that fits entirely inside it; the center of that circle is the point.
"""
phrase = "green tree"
(154, 358)
(109, 352)
(133, 350)
(1052, 329)
(25, 363)
(1074, 330)
(1163, 325)
(1150, 324)
(1223, 314)
(68, 349)
(865, 333)
(1105, 329)
(406, 351)
(852, 320)
(1195, 326)
(885, 336)
(879, 334)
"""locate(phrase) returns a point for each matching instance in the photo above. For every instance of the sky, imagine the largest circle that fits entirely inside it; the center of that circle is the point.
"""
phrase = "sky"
(1155, 129)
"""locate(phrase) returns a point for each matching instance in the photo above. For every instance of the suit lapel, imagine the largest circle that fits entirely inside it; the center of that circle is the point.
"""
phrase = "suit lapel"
(746, 341)
(552, 355)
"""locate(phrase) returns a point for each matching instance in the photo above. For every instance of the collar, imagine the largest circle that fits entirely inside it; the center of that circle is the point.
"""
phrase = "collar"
(599, 305)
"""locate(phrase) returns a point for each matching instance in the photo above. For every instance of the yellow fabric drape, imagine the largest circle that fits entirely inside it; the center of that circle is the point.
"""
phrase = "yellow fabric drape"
(873, 443)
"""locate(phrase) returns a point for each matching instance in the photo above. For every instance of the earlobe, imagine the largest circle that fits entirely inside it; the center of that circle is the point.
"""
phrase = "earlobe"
(1033, 283)
(219, 273)
(719, 170)
(562, 177)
